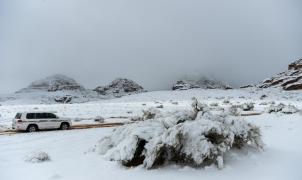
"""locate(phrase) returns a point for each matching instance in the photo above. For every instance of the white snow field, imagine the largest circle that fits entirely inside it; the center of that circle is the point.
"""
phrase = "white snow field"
(72, 155)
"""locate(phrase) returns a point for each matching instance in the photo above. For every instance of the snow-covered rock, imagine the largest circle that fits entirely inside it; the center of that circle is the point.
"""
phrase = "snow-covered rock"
(56, 82)
(288, 80)
(203, 83)
(120, 87)
(179, 137)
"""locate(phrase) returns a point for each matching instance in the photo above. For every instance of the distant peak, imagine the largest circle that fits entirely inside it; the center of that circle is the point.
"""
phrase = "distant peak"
(120, 87)
(201, 82)
(55, 82)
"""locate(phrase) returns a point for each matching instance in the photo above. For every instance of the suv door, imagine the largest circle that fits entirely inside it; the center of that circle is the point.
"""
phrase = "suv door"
(53, 120)
(42, 120)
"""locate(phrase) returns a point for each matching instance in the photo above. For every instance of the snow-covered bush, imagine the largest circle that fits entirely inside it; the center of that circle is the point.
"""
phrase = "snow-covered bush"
(289, 109)
(247, 106)
(214, 104)
(2, 128)
(99, 119)
(263, 103)
(276, 108)
(263, 96)
(234, 110)
(183, 137)
(286, 109)
(37, 157)
(160, 106)
(149, 113)
(136, 118)
(174, 102)
(226, 101)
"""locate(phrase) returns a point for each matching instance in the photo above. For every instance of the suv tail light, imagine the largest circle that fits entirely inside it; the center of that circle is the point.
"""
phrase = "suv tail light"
(19, 121)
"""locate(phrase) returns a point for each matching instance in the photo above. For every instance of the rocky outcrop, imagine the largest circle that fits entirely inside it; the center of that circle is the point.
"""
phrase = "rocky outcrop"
(63, 99)
(53, 83)
(203, 83)
(288, 80)
(295, 65)
(184, 85)
(247, 86)
(120, 87)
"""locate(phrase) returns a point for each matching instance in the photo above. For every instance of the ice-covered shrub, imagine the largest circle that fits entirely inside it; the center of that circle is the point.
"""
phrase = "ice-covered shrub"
(181, 137)
(37, 157)
(286, 109)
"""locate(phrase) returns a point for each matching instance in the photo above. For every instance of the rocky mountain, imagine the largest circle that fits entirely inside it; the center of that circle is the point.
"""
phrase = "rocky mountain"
(290, 79)
(62, 89)
(203, 83)
(53, 83)
(120, 87)
(54, 89)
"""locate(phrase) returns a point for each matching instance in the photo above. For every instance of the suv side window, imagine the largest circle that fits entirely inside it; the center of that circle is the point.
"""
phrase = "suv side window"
(30, 116)
(41, 116)
(18, 116)
(51, 116)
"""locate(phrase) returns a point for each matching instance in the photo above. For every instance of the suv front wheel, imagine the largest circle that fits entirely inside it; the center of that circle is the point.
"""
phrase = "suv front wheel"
(64, 126)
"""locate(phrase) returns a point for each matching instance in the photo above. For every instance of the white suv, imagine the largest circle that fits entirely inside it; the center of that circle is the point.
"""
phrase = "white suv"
(33, 121)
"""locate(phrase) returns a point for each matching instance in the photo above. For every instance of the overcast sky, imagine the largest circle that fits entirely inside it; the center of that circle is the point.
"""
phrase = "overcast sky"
(150, 41)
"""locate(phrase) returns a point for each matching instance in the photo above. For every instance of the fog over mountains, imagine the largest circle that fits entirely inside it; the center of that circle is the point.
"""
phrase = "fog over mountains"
(153, 43)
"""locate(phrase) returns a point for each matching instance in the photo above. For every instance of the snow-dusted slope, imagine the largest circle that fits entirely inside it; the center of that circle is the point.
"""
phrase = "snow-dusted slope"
(287, 80)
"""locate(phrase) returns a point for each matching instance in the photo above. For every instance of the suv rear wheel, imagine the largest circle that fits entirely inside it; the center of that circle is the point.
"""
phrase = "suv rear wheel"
(32, 128)
(64, 126)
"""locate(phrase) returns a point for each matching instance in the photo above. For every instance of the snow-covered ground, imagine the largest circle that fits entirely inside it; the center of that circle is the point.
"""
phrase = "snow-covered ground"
(129, 106)
(72, 156)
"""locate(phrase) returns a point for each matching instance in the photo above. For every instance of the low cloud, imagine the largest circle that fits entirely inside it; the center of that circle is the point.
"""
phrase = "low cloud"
(152, 42)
